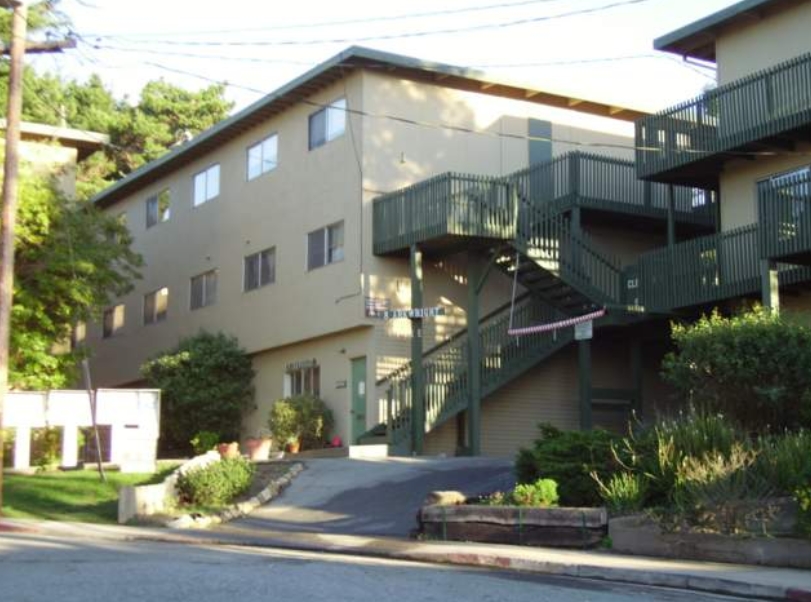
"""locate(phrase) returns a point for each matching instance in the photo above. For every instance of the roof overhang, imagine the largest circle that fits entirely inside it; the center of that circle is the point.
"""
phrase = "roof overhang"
(331, 71)
(84, 141)
(697, 40)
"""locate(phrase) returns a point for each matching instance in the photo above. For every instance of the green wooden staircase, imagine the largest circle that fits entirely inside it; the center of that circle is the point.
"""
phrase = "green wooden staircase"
(446, 366)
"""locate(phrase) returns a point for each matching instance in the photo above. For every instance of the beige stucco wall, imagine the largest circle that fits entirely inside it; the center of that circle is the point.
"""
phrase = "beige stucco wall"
(761, 43)
(623, 244)
(738, 184)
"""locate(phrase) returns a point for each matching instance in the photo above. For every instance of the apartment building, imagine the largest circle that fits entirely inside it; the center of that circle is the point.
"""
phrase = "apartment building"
(264, 228)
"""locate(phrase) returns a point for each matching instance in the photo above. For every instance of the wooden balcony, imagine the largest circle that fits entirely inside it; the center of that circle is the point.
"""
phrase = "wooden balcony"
(784, 208)
(688, 143)
(608, 189)
(705, 271)
(442, 213)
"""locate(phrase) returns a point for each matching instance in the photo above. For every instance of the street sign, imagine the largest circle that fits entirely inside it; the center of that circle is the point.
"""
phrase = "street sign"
(419, 312)
(584, 331)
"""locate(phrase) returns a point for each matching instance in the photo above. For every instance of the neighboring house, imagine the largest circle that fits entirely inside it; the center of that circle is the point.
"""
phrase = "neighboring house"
(55, 150)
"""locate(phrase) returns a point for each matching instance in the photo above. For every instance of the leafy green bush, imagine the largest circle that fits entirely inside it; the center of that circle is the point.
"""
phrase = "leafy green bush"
(217, 483)
(803, 497)
(46, 447)
(304, 418)
(785, 461)
(754, 368)
(542, 493)
(624, 493)
(204, 441)
(569, 458)
(205, 382)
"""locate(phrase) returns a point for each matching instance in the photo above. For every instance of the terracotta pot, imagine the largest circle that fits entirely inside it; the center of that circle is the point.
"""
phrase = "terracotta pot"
(258, 449)
(293, 446)
(228, 450)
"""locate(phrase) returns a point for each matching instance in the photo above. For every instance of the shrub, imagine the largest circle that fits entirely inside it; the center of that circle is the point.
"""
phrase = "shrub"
(304, 418)
(624, 493)
(217, 483)
(754, 367)
(569, 458)
(205, 383)
(542, 493)
(783, 461)
(204, 441)
(46, 447)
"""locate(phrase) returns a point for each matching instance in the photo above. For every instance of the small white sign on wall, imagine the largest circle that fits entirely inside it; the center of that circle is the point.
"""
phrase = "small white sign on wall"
(584, 331)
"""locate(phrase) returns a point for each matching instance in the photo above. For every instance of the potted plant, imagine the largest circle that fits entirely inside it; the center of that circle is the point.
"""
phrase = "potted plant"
(259, 447)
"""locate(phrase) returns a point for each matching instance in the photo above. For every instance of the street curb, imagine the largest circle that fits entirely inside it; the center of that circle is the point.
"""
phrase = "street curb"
(405, 550)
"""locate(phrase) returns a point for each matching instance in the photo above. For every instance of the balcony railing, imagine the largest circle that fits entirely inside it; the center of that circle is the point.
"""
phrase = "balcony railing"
(609, 184)
(784, 207)
(448, 204)
(754, 108)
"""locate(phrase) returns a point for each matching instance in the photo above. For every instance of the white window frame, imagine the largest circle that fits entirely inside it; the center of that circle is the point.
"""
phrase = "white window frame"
(333, 120)
(330, 251)
(206, 185)
(116, 314)
(207, 291)
(295, 381)
(258, 256)
(156, 315)
(263, 157)
(154, 215)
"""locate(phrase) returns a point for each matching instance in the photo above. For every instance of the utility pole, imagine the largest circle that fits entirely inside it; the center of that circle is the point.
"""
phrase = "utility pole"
(8, 217)
(11, 168)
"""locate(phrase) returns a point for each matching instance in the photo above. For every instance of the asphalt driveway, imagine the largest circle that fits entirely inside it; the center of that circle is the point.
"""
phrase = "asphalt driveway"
(373, 496)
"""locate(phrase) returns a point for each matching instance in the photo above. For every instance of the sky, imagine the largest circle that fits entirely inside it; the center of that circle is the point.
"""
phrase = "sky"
(594, 49)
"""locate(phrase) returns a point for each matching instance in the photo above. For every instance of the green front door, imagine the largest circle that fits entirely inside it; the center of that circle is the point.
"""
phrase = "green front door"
(358, 398)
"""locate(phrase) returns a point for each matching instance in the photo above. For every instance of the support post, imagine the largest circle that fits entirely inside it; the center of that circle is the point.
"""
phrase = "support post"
(417, 375)
(770, 285)
(576, 228)
(474, 273)
(671, 216)
(584, 378)
(636, 375)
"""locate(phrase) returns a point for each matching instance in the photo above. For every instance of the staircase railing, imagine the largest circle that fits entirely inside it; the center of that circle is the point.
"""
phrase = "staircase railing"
(446, 367)
(784, 208)
(547, 238)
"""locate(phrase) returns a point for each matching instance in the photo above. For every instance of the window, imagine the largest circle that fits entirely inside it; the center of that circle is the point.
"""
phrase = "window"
(206, 185)
(78, 334)
(204, 289)
(325, 246)
(155, 305)
(112, 321)
(328, 123)
(157, 208)
(260, 269)
(262, 157)
(302, 378)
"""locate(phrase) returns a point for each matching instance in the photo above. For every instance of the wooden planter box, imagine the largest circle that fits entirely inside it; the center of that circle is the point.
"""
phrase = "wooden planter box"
(553, 527)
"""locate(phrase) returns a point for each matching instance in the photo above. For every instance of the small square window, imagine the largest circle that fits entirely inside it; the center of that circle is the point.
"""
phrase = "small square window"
(156, 305)
(112, 321)
(204, 289)
(157, 208)
(328, 123)
(260, 269)
(206, 185)
(262, 157)
(325, 246)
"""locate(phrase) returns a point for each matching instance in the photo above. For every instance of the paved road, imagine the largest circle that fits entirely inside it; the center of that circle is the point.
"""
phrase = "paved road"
(40, 569)
(374, 497)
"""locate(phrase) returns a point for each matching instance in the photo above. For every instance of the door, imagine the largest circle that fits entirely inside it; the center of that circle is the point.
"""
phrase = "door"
(358, 398)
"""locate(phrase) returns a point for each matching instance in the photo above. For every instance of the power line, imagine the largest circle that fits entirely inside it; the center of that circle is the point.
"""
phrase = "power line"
(482, 132)
(393, 36)
(358, 21)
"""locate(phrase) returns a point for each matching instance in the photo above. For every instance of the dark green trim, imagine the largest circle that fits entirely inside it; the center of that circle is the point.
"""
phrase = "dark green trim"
(584, 381)
(417, 373)
(540, 140)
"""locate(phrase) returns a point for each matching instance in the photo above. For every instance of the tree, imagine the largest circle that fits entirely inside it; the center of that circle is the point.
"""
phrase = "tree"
(71, 261)
(205, 382)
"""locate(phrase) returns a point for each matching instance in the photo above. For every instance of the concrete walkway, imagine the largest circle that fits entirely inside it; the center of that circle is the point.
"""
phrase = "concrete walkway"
(736, 580)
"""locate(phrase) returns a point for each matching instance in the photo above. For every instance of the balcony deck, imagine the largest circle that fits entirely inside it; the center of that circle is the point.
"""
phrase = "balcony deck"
(687, 144)
(784, 207)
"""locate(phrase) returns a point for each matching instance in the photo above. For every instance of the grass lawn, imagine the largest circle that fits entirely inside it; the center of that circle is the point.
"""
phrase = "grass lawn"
(77, 495)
